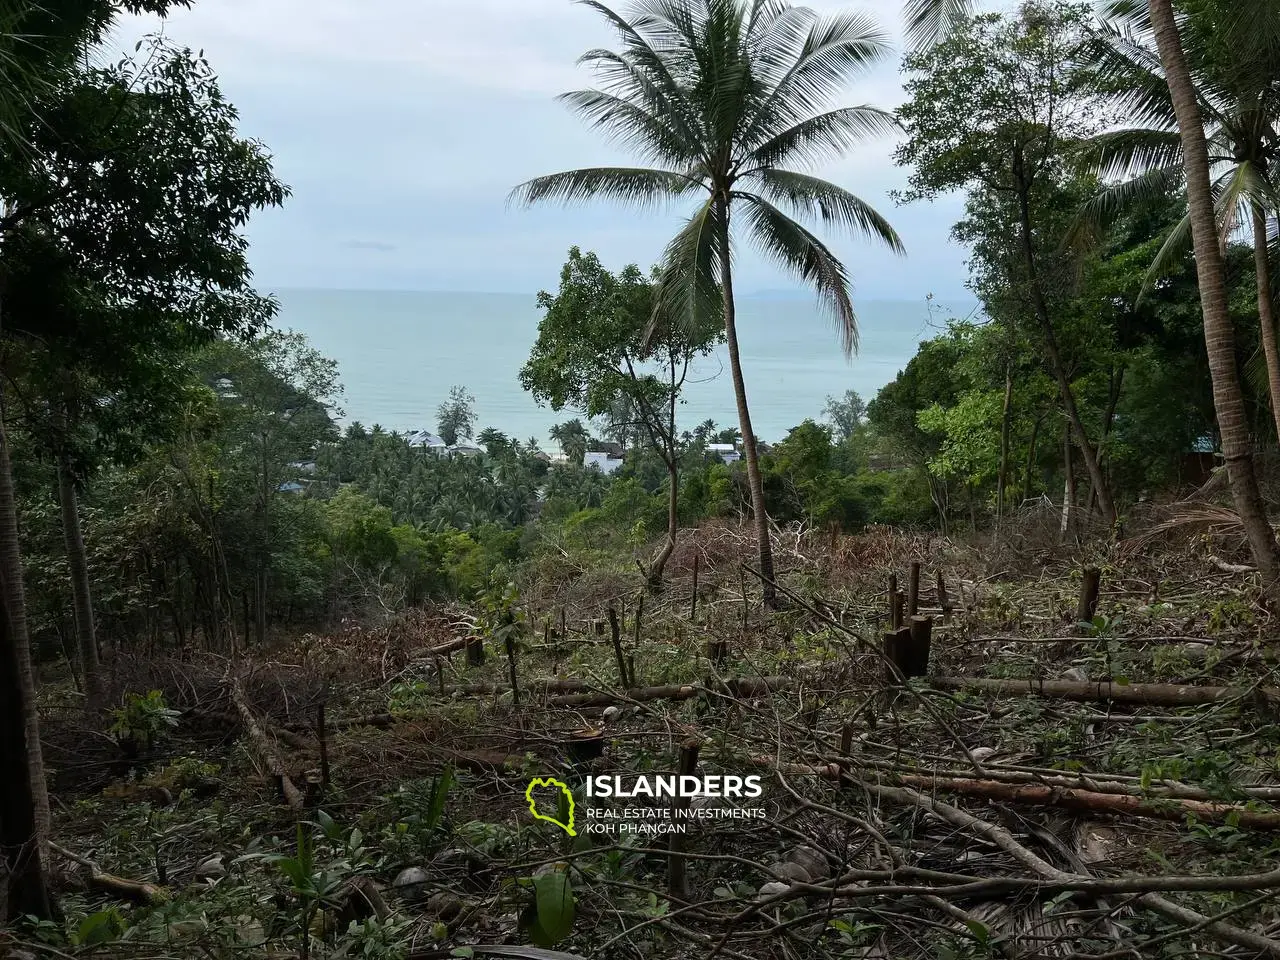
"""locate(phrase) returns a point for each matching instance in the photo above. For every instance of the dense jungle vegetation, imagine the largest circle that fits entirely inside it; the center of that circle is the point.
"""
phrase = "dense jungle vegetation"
(202, 552)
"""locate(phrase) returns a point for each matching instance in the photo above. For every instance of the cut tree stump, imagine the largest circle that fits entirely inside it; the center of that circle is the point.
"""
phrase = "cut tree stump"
(1090, 584)
(897, 653)
(920, 635)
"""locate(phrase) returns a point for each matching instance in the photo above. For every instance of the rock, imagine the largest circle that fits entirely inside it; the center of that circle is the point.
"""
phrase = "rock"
(611, 713)
(813, 862)
(361, 901)
(249, 931)
(445, 906)
(410, 883)
(1078, 674)
(211, 868)
(791, 871)
(983, 754)
(185, 929)
(772, 889)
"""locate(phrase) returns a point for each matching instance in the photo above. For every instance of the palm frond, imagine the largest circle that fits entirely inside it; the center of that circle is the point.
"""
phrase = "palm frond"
(929, 21)
(835, 49)
(820, 138)
(1132, 73)
(804, 195)
(639, 186)
(796, 249)
(1132, 13)
(649, 136)
(1174, 248)
(1123, 153)
(1100, 211)
(651, 63)
(688, 289)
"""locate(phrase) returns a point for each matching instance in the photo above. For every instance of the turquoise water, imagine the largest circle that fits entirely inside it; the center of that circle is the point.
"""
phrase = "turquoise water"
(399, 353)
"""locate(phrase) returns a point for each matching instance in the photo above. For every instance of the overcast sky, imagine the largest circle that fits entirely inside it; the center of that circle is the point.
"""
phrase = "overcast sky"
(401, 125)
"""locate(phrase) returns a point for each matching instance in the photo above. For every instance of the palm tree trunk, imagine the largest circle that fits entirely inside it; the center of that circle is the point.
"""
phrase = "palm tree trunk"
(1266, 311)
(24, 799)
(78, 562)
(1219, 338)
(754, 482)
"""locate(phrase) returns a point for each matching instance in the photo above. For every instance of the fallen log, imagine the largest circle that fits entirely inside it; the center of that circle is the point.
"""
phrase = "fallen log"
(1070, 798)
(1150, 694)
(135, 891)
(1096, 783)
(579, 693)
(288, 791)
(736, 687)
(451, 646)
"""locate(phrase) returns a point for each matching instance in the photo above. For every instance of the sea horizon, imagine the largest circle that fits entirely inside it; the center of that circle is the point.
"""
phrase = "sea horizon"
(399, 351)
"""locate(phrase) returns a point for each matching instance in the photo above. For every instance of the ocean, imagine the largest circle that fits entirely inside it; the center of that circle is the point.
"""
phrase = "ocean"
(399, 352)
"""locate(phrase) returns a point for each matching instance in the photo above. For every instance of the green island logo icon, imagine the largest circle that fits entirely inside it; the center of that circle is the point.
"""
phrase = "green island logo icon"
(564, 791)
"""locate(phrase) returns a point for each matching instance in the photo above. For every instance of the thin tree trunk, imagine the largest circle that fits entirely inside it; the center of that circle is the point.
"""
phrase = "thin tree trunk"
(1266, 311)
(1087, 450)
(673, 525)
(1031, 460)
(24, 798)
(1069, 484)
(82, 596)
(1219, 337)
(754, 482)
(1006, 425)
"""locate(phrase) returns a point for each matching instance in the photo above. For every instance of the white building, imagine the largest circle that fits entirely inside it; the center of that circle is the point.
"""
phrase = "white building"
(606, 463)
(727, 452)
(425, 440)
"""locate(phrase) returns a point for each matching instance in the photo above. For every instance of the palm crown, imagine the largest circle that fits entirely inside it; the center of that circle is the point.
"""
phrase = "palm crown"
(1239, 102)
(721, 96)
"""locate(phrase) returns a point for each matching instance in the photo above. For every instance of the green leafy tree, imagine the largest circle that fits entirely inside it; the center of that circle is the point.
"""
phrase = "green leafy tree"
(574, 439)
(599, 352)
(456, 417)
(724, 95)
(996, 108)
(41, 49)
(845, 414)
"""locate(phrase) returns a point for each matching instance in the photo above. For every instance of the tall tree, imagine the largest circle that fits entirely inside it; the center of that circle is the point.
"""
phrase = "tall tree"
(456, 417)
(1237, 447)
(723, 95)
(996, 108)
(1233, 53)
(594, 353)
(126, 195)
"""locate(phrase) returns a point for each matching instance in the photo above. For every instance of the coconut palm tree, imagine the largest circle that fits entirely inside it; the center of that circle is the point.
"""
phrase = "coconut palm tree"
(1237, 450)
(1239, 103)
(725, 97)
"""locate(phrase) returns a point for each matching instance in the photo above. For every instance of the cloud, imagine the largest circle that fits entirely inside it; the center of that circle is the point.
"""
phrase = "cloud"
(378, 245)
(401, 126)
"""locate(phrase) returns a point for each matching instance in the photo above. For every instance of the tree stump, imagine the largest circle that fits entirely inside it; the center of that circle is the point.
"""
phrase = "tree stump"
(1090, 586)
